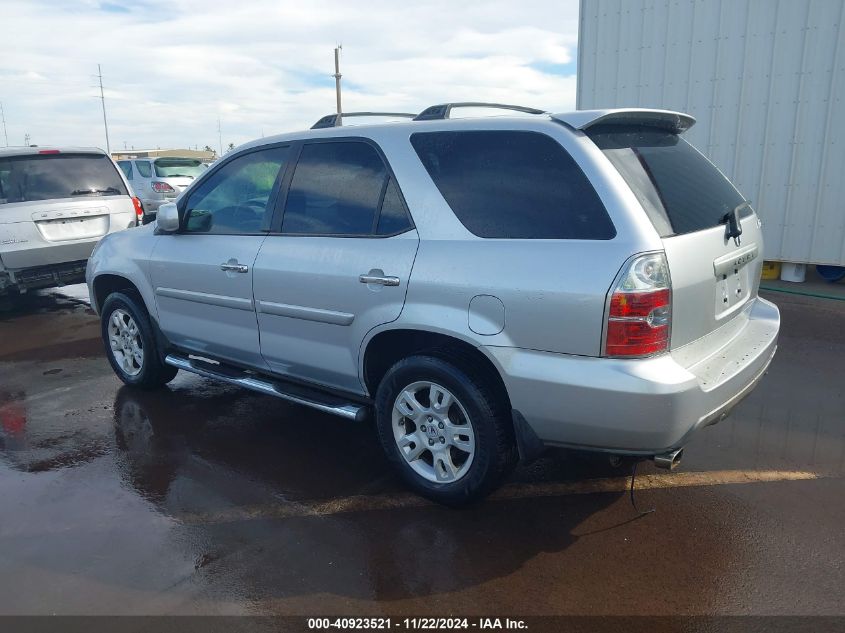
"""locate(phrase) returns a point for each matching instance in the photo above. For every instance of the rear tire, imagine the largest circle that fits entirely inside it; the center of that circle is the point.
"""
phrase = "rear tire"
(131, 344)
(444, 430)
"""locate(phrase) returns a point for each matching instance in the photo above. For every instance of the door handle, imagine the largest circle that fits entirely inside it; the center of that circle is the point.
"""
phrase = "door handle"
(381, 280)
(234, 267)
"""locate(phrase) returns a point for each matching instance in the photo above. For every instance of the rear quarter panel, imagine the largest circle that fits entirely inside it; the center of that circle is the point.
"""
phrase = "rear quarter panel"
(553, 291)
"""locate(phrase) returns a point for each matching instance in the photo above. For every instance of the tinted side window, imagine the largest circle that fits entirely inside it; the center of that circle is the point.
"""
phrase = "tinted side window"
(335, 190)
(144, 168)
(234, 199)
(393, 217)
(126, 168)
(512, 184)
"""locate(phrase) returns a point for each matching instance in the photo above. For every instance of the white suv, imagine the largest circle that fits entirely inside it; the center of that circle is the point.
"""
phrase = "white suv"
(55, 204)
(159, 180)
(479, 287)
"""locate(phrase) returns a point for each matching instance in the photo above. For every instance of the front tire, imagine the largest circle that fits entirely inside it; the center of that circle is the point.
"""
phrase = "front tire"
(445, 431)
(130, 343)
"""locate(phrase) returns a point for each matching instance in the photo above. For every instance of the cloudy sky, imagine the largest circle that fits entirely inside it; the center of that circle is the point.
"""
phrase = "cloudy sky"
(172, 67)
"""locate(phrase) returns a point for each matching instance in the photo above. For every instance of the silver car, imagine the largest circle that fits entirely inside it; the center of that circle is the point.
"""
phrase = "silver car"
(159, 180)
(480, 288)
(55, 204)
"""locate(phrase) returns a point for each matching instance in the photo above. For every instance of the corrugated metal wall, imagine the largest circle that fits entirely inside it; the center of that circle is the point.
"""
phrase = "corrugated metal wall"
(766, 81)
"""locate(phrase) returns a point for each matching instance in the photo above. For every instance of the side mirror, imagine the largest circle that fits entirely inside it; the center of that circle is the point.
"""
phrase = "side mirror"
(167, 218)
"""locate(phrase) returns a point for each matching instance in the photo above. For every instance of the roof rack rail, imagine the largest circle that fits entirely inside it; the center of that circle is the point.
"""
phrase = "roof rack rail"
(443, 110)
(336, 120)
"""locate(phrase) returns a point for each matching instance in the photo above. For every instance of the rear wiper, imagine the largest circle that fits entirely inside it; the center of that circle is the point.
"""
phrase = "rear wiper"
(88, 192)
(733, 228)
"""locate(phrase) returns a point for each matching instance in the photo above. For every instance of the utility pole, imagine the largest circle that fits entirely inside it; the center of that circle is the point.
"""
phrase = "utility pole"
(337, 77)
(219, 138)
(103, 101)
(3, 116)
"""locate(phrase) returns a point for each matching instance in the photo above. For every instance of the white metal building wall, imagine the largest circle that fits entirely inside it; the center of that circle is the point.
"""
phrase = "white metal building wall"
(766, 81)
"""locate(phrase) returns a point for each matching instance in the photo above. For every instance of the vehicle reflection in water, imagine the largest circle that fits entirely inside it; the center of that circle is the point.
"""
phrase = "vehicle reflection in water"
(12, 421)
(239, 481)
(49, 300)
(177, 451)
(34, 440)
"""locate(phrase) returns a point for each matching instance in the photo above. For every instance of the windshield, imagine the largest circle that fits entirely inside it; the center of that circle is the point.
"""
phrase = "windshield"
(680, 190)
(176, 167)
(53, 176)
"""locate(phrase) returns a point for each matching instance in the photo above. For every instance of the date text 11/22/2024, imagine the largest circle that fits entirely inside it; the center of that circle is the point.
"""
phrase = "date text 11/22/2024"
(424, 624)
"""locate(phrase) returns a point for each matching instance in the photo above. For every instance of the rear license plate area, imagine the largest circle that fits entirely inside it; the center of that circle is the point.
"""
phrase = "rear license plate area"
(731, 290)
(733, 281)
(73, 228)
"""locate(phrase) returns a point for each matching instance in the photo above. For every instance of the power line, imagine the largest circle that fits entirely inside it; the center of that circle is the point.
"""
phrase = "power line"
(103, 101)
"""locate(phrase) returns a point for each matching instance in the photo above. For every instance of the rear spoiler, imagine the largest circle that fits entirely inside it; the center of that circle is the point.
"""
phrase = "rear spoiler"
(675, 122)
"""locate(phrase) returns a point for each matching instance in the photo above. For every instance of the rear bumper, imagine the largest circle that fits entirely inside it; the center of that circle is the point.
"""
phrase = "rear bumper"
(154, 201)
(636, 406)
(42, 276)
(151, 205)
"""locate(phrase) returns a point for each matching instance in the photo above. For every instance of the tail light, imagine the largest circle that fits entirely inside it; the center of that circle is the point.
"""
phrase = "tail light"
(162, 187)
(139, 210)
(640, 315)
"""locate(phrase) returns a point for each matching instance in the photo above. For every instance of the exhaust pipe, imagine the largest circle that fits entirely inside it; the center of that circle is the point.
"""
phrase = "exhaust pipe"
(670, 460)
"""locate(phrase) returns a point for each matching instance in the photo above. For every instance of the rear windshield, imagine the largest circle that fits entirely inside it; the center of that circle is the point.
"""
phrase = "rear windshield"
(680, 190)
(513, 184)
(53, 176)
(176, 167)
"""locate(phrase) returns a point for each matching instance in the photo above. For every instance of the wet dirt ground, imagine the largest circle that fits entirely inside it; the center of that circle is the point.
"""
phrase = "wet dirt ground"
(203, 498)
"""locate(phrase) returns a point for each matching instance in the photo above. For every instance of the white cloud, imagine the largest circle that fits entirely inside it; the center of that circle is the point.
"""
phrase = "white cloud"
(171, 68)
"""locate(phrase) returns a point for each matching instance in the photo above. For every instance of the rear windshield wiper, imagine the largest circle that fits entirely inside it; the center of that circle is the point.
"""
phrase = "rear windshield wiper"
(731, 220)
(88, 192)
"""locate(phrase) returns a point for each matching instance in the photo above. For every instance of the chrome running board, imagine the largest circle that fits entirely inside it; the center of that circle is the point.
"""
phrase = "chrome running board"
(297, 394)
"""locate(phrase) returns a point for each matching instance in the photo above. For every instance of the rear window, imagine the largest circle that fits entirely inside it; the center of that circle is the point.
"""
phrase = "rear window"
(53, 176)
(680, 190)
(175, 167)
(513, 184)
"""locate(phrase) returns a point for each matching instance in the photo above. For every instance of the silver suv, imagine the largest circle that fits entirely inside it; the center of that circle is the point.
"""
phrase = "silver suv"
(481, 288)
(55, 204)
(159, 180)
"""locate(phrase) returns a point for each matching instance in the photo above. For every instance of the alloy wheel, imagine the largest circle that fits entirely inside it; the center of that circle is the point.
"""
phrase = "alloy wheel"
(433, 432)
(125, 342)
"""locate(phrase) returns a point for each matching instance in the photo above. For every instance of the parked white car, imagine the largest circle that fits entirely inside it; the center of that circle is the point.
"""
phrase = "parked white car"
(159, 180)
(55, 205)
